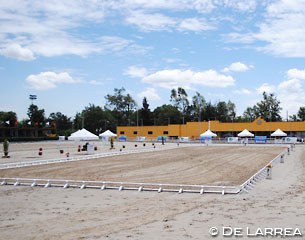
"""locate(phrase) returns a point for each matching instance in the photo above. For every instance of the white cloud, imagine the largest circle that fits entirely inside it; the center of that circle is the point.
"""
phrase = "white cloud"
(51, 29)
(242, 91)
(296, 73)
(281, 30)
(187, 78)
(266, 87)
(195, 25)
(240, 5)
(237, 67)
(17, 52)
(290, 86)
(136, 72)
(202, 6)
(94, 82)
(291, 94)
(150, 94)
(49, 80)
(150, 21)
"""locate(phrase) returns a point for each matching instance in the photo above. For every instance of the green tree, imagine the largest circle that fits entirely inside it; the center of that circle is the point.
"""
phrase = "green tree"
(293, 118)
(250, 114)
(95, 119)
(8, 118)
(145, 113)
(167, 114)
(301, 114)
(210, 112)
(121, 105)
(231, 111)
(36, 115)
(269, 108)
(179, 99)
(198, 106)
(222, 111)
(62, 122)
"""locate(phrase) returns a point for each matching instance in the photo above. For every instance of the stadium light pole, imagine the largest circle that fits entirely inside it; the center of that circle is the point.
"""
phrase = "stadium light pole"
(32, 97)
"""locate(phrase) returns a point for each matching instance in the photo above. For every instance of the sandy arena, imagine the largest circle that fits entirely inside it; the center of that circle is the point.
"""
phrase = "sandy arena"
(198, 165)
(56, 213)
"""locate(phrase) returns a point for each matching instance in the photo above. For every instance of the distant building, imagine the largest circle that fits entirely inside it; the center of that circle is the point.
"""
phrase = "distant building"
(25, 132)
(193, 129)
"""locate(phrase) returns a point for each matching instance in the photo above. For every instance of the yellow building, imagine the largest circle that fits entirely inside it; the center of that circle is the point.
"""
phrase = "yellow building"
(193, 129)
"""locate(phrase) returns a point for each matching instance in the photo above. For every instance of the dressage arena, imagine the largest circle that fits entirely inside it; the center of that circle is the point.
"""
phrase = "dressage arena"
(37, 212)
(138, 166)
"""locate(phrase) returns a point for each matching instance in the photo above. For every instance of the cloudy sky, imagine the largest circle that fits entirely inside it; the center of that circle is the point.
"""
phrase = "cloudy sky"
(72, 53)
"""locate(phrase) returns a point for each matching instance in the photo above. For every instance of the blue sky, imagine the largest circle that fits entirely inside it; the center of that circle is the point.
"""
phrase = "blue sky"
(72, 53)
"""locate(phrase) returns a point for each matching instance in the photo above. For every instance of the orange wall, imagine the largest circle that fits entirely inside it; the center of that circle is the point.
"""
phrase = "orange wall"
(194, 129)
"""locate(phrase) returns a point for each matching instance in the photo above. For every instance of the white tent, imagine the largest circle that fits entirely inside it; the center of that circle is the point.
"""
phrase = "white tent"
(245, 133)
(208, 133)
(108, 134)
(82, 135)
(278, 133)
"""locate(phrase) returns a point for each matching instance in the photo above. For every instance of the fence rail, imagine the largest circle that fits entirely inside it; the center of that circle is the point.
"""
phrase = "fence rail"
(80, 158)
(103, 185)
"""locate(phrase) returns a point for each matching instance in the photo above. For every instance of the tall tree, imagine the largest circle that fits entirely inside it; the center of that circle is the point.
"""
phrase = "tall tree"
(121, 104)
(301, 114)
(167, 114)
(198, 106)
(210, 112)
(62, 122)
(222, 111)
(145, 113)
(269, 108)
(36, 115)
(231, 111)
(94, 119)
(250, 114)
(179, 99)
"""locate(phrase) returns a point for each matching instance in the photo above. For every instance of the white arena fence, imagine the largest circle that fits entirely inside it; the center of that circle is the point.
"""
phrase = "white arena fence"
(79, 158)
(157, 187)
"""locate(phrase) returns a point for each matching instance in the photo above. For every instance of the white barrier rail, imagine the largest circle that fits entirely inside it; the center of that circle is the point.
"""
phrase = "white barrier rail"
(80, 158)
(249, 184)
(103, 185)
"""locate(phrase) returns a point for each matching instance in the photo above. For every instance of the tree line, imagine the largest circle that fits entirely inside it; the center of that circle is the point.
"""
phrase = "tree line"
(121, 110)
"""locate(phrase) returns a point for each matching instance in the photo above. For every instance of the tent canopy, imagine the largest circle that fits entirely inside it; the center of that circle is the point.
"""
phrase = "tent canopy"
(83, 135)
(208, 133)
(278, 133)
(108, 133)
(245, 133)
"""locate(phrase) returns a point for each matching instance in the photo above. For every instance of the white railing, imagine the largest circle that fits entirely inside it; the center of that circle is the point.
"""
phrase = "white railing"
(159, 187)
(80, 158)
(262, 173)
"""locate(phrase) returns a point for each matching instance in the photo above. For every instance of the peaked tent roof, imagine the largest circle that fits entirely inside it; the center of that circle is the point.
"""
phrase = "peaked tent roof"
(208, 133)
(83, 134)
(107, 133)
(278, 133)
(245, 133)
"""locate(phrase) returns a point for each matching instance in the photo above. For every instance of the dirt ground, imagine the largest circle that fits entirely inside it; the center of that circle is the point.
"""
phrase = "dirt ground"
(198, 165)
(74, 214)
